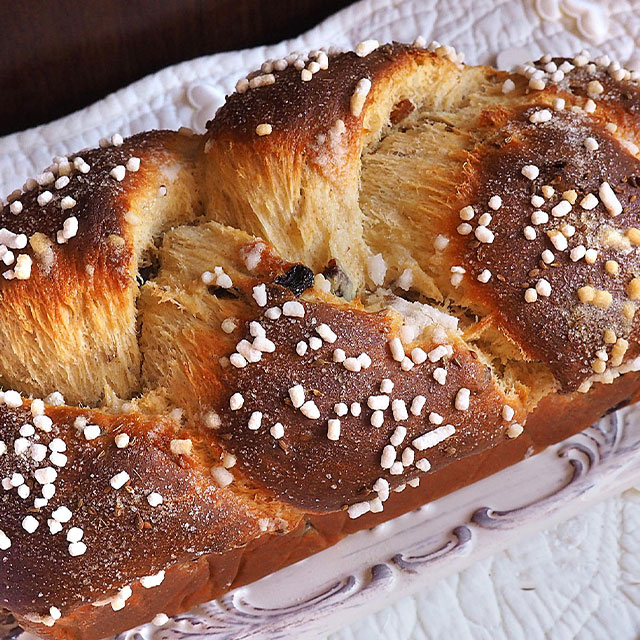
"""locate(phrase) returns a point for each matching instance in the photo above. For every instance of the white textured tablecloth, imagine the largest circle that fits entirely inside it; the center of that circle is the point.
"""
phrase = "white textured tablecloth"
(579, 579)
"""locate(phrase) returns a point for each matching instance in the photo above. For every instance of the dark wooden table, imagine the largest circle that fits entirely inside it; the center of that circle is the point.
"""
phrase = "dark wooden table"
(57, 56)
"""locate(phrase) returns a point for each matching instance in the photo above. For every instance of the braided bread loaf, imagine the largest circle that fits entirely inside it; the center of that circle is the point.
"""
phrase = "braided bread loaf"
(378, 277)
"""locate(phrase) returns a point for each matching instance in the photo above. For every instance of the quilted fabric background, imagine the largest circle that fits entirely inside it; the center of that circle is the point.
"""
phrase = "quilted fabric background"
(579, 579)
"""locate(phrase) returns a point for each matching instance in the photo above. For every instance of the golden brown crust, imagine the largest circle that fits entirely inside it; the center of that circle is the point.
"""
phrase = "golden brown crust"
(300, 110)
(289, 466)
(620, 98)
(210, 576)
(83, 329)
(557, 329)
(119, 525)
(101, 203)
(244, 494)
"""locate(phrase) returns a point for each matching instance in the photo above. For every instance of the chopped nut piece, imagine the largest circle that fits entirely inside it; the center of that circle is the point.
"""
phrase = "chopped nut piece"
(514, 430)
(633, 289)
(634, 235)
(612, 267)
(602, 299)
(586, 294)
(618, 351)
